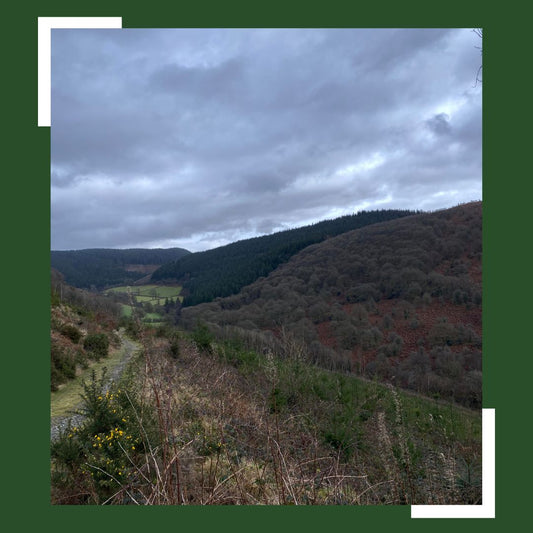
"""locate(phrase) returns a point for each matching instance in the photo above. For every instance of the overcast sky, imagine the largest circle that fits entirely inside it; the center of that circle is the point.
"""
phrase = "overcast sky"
(200, 137)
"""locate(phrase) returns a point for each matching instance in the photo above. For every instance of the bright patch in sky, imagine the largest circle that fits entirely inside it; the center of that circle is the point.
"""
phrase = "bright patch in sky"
(374, 161)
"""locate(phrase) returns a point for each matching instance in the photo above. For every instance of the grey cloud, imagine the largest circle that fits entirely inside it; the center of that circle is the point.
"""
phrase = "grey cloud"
(439, 124)
(199, 82)
(200, 136)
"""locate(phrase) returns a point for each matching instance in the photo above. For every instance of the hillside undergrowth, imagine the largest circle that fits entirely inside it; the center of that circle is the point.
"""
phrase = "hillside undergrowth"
(204, 420)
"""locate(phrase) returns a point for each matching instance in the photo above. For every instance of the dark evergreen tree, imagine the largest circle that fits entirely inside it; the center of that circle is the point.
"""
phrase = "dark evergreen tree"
(226, 270)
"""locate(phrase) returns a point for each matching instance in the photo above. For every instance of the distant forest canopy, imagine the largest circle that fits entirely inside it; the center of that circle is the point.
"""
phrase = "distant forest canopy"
(104, 267)
(226, 270)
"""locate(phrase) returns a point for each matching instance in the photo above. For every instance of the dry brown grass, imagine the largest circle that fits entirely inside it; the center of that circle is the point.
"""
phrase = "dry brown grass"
(214, 435)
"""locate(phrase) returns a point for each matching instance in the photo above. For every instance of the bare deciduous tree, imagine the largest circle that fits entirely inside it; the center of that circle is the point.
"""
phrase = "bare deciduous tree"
(479, 33)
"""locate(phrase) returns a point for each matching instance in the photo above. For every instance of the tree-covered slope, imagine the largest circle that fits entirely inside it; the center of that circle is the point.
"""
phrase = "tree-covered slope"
(396, 300)
(103, 267)
(225, 270)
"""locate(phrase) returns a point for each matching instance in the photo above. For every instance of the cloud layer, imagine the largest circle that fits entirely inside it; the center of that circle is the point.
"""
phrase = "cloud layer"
(196, 138)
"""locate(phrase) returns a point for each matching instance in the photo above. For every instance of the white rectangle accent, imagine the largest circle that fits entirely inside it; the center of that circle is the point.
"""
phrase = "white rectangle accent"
(488, 507)
(44, 59)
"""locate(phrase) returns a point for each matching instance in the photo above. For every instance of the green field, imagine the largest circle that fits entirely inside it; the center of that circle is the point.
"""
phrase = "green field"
(127, 310)
(153, 318)
(153, 294)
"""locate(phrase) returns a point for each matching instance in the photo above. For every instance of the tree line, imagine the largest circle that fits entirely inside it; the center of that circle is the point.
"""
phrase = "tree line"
(226, 270)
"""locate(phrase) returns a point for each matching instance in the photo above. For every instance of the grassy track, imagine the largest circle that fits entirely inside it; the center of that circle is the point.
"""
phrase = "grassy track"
(64, 400)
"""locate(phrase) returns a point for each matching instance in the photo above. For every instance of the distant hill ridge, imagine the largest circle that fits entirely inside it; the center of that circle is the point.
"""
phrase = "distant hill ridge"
(104, 267)
(226, 270)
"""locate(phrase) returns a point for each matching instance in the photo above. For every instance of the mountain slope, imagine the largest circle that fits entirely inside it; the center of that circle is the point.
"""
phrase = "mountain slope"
(103, 267)
(398, 300)
(225, 270)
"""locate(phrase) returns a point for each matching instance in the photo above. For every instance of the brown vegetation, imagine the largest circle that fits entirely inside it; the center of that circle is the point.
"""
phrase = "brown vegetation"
(377, 295)
(216, 423)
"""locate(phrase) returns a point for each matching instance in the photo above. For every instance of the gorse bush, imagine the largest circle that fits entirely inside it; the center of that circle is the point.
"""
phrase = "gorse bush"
(97, 344)
(99, 456)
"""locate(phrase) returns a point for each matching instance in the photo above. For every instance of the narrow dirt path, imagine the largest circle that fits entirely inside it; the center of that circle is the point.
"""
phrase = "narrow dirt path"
(67, 399)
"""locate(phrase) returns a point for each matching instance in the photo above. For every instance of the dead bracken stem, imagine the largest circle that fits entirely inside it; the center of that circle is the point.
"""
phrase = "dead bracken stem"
(402, 442)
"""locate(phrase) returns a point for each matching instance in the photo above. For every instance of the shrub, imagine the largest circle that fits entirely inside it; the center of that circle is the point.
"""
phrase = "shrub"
(393, 347)
(370, 338)
(97, 344)
(235, 354)
(359, 315)
(445, 333)
(132, 326)
(379, 368)
(174, 349)
(277, 400)
(63, 365)
(320, 354)
(202, 337)
(387, 322)
(100, 455)
(461, 297)
(72, 332)
(413, 371)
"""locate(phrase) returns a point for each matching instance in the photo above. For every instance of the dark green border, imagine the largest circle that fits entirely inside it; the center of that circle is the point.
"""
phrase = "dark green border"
(25, 268)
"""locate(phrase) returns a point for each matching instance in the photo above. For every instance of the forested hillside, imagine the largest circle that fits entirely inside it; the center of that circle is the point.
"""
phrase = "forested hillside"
(194, 419)
(398, 300)
(101, 267)
(225, 270)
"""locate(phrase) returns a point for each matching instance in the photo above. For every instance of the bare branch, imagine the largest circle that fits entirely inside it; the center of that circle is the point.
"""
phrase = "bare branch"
(479, 33)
